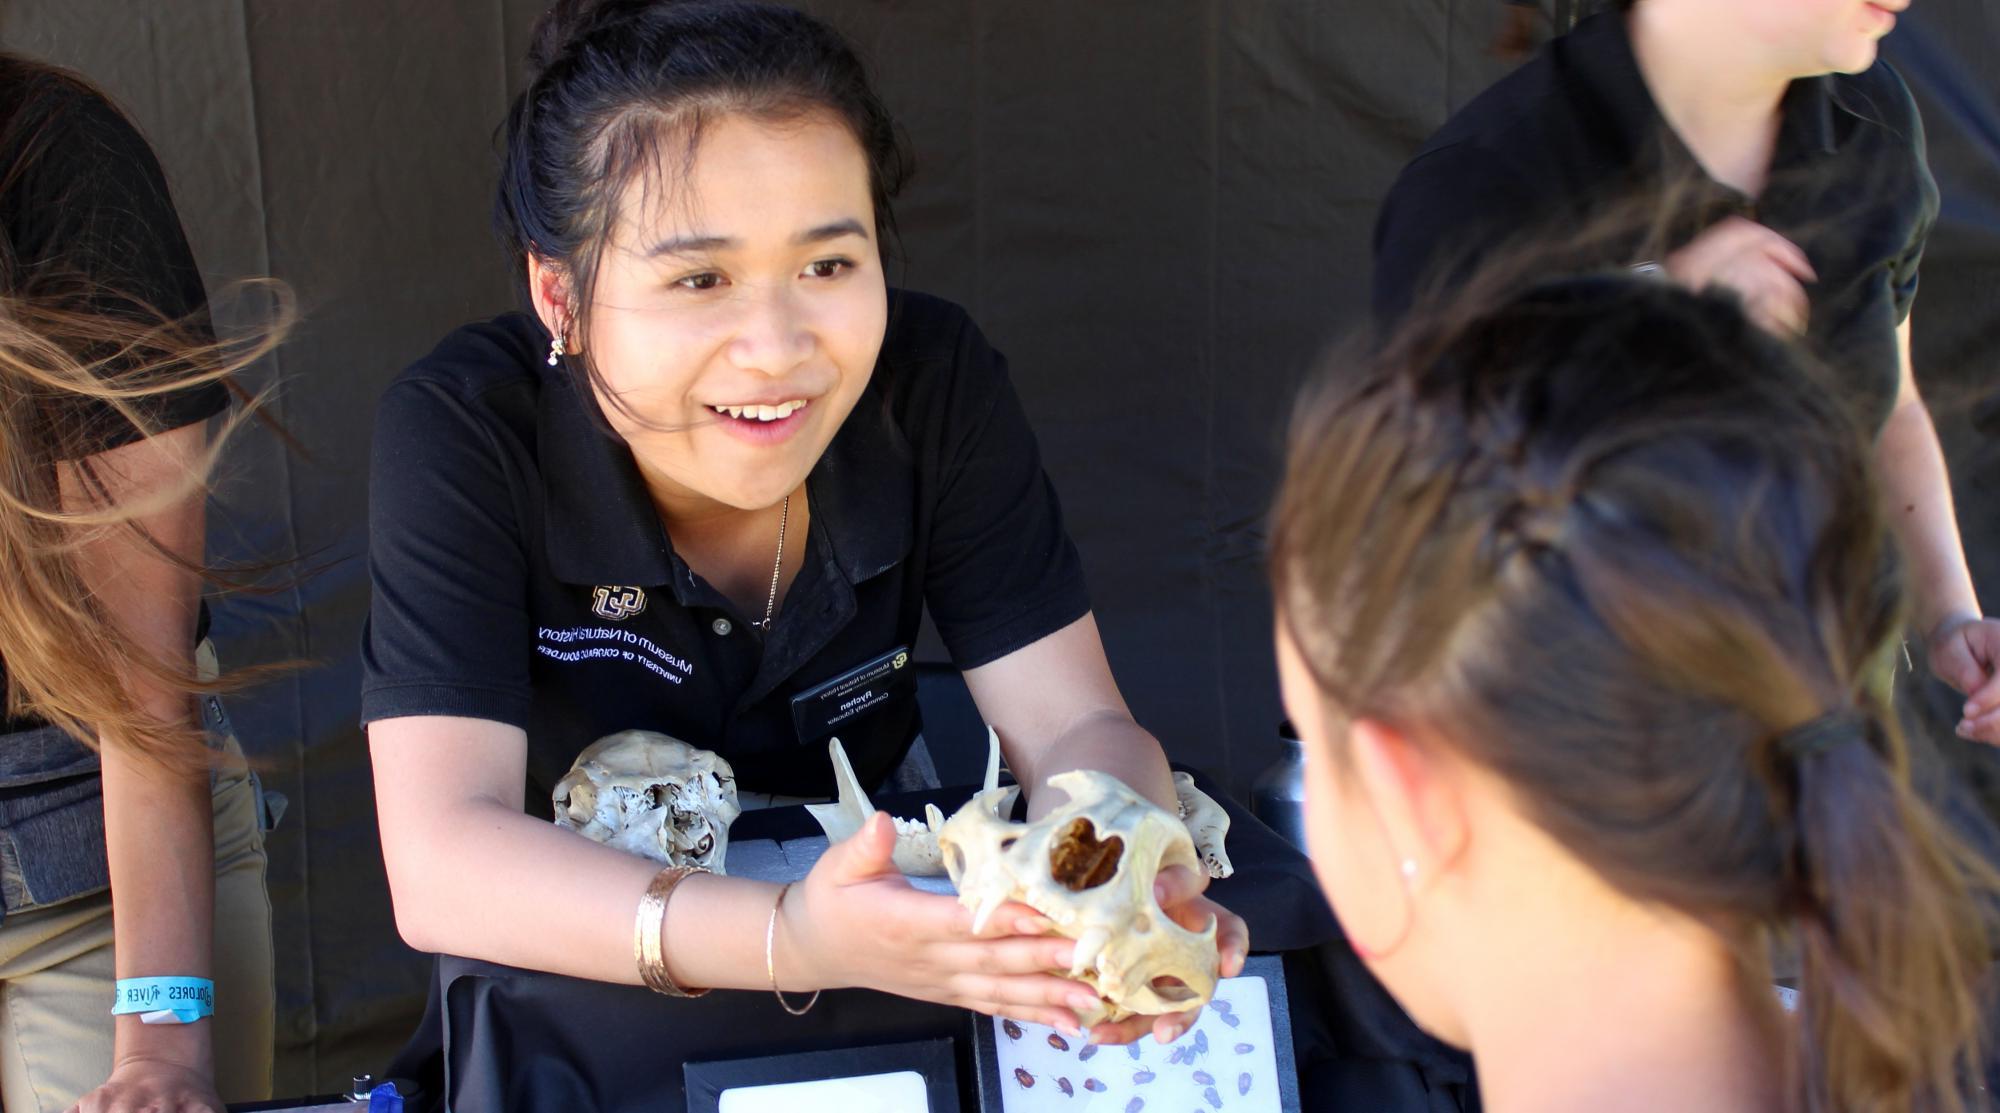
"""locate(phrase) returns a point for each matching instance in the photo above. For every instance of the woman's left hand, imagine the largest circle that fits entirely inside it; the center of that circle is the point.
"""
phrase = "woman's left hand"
(1964, 653)
(1179, 891)
(152, 1086)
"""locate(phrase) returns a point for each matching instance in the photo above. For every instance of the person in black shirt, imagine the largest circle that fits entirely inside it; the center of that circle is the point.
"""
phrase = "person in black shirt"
(1791, 168)
(130, 826)
(721, 465)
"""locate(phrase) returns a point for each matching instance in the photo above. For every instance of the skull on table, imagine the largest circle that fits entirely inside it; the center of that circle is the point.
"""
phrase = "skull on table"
(651, 795)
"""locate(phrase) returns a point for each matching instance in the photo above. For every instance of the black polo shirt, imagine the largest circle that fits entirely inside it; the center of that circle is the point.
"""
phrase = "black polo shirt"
(521, 573)
(88, 226)
(1575, 131)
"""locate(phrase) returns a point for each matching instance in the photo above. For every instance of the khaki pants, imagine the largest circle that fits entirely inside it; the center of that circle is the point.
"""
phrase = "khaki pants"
(56, 975)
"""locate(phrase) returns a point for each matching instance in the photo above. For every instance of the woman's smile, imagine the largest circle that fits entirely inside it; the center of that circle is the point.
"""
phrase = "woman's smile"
(761, 424)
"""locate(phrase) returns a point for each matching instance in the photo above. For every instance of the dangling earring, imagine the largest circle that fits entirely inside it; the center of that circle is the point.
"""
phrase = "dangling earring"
(555, 349)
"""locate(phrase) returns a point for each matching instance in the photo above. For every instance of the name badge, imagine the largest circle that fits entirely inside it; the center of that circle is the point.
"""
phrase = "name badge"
(824, 708)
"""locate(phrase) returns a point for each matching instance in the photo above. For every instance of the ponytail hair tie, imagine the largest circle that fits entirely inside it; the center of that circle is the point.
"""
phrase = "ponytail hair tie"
(1823, 733)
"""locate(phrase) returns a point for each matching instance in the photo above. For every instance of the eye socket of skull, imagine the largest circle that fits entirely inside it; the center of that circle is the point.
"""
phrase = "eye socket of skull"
(1079, 860)
(1170, 988)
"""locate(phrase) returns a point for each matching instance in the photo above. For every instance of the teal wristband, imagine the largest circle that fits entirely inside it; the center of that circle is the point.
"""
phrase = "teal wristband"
(164, 1000)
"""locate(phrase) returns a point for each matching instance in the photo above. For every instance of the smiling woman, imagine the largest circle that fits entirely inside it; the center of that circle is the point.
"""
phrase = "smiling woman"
(727, 342)
(719, 465)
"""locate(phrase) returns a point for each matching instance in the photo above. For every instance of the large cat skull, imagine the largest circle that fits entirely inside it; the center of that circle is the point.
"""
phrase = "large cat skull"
(916, 851)
(1089, 866)
(651, 795)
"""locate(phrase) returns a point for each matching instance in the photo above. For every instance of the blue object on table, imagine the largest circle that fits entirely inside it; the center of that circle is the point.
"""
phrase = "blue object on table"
(385, 1099)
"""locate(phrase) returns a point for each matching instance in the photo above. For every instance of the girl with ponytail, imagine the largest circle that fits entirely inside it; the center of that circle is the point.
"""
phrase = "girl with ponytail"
(1584, 606)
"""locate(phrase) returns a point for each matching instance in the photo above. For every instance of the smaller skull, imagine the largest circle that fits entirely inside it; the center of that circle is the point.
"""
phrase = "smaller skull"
(1089, 866)
(651, 795)
(1207, 823)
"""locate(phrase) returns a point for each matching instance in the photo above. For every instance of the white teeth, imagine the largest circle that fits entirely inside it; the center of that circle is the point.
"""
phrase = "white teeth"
(986, 910)
(1088, 946)
(762, 413)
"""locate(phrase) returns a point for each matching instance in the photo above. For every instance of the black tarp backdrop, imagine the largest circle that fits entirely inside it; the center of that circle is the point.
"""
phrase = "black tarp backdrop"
(1159, 210)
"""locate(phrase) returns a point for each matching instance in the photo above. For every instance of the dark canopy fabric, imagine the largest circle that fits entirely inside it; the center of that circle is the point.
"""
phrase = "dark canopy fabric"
(1159, 209)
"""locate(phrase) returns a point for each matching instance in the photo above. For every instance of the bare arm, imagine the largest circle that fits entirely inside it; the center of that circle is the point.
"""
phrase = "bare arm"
(1963, 645)
(455, 837)
(158, 824)
(1918, 491)
(1056, 707)
(473, 875)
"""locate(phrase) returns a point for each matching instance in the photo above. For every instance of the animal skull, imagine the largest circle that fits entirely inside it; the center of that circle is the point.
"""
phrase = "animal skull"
(1089, 866)
(652, 795)
(1207, 823)
(916, 851)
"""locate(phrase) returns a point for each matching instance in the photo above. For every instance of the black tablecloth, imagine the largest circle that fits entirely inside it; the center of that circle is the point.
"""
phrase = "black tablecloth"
(500, 1038)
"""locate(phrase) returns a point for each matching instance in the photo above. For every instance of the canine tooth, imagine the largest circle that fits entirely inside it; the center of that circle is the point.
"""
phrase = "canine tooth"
(1088, 946)
(986, 910)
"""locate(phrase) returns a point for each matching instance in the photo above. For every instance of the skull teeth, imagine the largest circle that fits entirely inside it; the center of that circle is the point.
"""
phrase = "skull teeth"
(1088, 946)
(986, 910)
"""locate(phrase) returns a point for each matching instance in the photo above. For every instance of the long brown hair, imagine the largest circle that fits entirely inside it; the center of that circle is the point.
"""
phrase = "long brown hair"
(79, 357)
(1626, 544)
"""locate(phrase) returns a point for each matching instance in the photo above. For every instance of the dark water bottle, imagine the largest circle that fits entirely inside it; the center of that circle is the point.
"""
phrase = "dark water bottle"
(1278, 795)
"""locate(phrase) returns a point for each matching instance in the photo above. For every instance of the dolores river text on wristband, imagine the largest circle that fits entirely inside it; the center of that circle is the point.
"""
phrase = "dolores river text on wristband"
(165, 1000)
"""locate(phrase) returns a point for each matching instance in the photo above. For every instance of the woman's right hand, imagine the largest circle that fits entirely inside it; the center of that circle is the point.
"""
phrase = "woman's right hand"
(855, 921)
(1766, 270)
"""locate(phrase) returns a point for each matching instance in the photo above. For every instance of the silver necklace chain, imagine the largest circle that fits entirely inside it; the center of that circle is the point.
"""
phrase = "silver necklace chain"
(771, 600)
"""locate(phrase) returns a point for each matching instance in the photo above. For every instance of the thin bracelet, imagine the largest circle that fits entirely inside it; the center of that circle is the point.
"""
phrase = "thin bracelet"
(770, 964)
(648, 927)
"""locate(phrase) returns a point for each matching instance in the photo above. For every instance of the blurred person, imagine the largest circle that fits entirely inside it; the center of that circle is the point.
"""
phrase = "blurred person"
(1789, 166)
(1585, 604)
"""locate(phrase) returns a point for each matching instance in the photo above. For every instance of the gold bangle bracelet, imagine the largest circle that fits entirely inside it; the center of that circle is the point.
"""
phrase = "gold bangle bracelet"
(650, 925)
(770, 958)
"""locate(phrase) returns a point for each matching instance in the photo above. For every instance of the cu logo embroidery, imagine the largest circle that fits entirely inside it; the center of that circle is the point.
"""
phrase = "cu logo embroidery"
(901, 660)
(617, 603)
